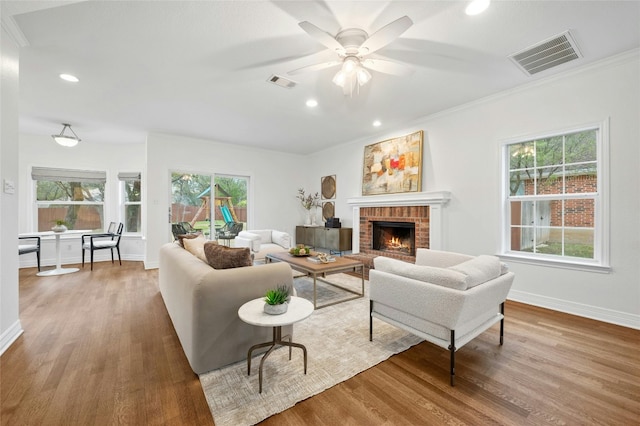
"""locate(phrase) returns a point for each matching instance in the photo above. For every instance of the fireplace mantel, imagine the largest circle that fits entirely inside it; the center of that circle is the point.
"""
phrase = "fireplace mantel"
(435, 200)
(404, 199)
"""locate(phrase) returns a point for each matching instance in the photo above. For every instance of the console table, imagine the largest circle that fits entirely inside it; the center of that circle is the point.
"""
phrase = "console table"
(336, 240)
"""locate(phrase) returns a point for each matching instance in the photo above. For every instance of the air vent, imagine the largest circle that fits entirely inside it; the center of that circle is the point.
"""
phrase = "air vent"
(282, 82)
(547, 54)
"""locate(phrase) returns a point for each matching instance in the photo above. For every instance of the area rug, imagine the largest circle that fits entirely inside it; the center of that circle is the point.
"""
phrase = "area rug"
(338, 347)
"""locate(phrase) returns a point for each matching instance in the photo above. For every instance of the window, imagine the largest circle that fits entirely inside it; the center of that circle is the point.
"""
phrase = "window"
(554, 199)
(131, 201)
(75, 196)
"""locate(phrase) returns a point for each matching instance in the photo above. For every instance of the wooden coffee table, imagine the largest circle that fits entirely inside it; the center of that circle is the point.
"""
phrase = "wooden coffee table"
(319, 270)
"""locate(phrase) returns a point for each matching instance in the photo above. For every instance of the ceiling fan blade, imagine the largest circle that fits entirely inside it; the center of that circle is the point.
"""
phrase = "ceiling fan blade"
(387, 67)
(385, 35)
(314, 67)
(321, 36)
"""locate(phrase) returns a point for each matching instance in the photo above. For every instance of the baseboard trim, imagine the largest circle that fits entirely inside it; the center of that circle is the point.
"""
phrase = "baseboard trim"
(10, 335)
(593, 312)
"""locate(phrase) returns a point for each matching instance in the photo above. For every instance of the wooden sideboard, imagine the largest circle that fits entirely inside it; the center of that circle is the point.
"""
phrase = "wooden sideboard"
(333, 239)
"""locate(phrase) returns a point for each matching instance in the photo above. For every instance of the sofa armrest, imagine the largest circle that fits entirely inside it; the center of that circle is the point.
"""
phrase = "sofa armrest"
(248, 239)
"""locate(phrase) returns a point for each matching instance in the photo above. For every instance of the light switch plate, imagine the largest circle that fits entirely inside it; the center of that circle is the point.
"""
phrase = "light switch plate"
(9, 186)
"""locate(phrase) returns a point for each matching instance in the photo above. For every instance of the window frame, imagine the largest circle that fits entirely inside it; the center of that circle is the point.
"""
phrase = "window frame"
(67, 175)
(122, 178)
(600, 261)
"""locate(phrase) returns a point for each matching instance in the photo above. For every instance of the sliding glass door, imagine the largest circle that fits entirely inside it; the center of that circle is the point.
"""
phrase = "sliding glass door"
(196, 207)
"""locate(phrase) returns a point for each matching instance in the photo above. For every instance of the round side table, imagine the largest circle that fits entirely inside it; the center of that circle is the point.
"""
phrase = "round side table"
(252, 313)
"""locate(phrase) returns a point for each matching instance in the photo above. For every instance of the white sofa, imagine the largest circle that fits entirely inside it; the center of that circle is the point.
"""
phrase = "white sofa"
(203, 305)
(263, 241)
(446, 298)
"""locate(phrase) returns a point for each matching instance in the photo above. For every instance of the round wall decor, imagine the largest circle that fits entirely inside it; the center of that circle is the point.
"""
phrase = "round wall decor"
(328, 185)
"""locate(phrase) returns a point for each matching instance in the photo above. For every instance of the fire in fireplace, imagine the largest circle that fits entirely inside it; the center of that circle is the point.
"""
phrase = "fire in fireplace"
(397, 237)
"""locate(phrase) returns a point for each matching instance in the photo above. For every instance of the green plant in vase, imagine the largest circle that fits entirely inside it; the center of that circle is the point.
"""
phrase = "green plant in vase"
(276, 300)
(60, 226)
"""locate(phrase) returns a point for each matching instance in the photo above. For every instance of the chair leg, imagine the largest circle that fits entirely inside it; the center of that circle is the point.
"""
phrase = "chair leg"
(83, 250)
(119, 258)
(502, 324)
(112, 260)
(370, 320)
(452, 349)
(92, 260)
(38, 257)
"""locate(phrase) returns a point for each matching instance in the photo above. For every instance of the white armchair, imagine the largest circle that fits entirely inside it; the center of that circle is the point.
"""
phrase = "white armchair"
(446, 298)
(263, 242)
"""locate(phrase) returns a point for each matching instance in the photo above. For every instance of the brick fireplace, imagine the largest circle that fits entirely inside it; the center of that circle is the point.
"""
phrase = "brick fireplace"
(425, 209)
(417, 215)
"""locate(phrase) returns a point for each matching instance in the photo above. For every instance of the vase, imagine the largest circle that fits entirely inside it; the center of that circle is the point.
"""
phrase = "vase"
(307, 220)
(59, 228)
(275, 309)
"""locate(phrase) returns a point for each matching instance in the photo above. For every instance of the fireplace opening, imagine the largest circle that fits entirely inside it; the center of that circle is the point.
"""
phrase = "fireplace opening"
(396, 237)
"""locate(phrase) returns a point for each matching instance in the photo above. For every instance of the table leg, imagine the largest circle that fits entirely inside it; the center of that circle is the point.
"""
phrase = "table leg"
(277, 340)
(58, 253)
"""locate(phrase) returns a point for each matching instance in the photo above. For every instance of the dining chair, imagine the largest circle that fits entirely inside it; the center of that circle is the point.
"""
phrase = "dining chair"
(31, 245)
(109, 240)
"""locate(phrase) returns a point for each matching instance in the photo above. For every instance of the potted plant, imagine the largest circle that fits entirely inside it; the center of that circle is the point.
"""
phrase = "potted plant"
(276, 300)
(60, 226)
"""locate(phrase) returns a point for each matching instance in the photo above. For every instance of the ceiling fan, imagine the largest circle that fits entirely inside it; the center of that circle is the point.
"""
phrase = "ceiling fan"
(352, 46)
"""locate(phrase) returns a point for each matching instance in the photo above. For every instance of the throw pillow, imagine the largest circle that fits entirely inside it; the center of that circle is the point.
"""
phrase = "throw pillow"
(429, 274)
(185, 236)
(480, 269)
(195, 246)
(221, 257)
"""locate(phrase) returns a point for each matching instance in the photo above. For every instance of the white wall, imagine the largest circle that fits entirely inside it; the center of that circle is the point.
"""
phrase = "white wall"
(462, 155)
(274, 179)
(42, 151)
(10, 328)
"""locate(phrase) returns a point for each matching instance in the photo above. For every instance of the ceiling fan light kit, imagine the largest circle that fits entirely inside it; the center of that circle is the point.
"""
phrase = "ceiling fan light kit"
(66, 140)
(352, 45)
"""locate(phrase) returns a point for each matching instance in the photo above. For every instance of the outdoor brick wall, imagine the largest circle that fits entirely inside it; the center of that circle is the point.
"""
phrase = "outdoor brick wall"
(411, 214)
(578, 213)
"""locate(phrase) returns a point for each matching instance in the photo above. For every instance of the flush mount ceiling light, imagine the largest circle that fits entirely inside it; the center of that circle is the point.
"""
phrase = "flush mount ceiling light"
(477, 6)
(66, 140)
(377, 123)
(69, 77)
(312, 103)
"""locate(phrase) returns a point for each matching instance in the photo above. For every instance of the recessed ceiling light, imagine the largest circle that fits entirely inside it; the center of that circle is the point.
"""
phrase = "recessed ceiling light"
(477, 6)
(69, 77)
(311, 103)
(377, 123)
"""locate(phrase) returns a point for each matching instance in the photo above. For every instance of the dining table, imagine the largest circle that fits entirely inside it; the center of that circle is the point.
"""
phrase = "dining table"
(58, 270)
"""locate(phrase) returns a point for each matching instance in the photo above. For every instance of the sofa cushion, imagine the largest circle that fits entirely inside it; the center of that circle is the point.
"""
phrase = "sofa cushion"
(185, 236)
(439, 258)
(479, 269)
(430, 274)
(221, 257)
(264, 234)
(195, 246)
(281, 238)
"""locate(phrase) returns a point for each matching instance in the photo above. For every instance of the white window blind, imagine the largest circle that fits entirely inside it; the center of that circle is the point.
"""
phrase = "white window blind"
(67, 175)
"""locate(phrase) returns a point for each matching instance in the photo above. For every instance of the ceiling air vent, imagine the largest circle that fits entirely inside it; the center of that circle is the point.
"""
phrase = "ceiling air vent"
(547, 54)
(282, 82)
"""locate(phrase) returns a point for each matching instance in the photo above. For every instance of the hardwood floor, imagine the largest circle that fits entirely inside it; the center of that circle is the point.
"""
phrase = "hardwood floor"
(99, 348)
